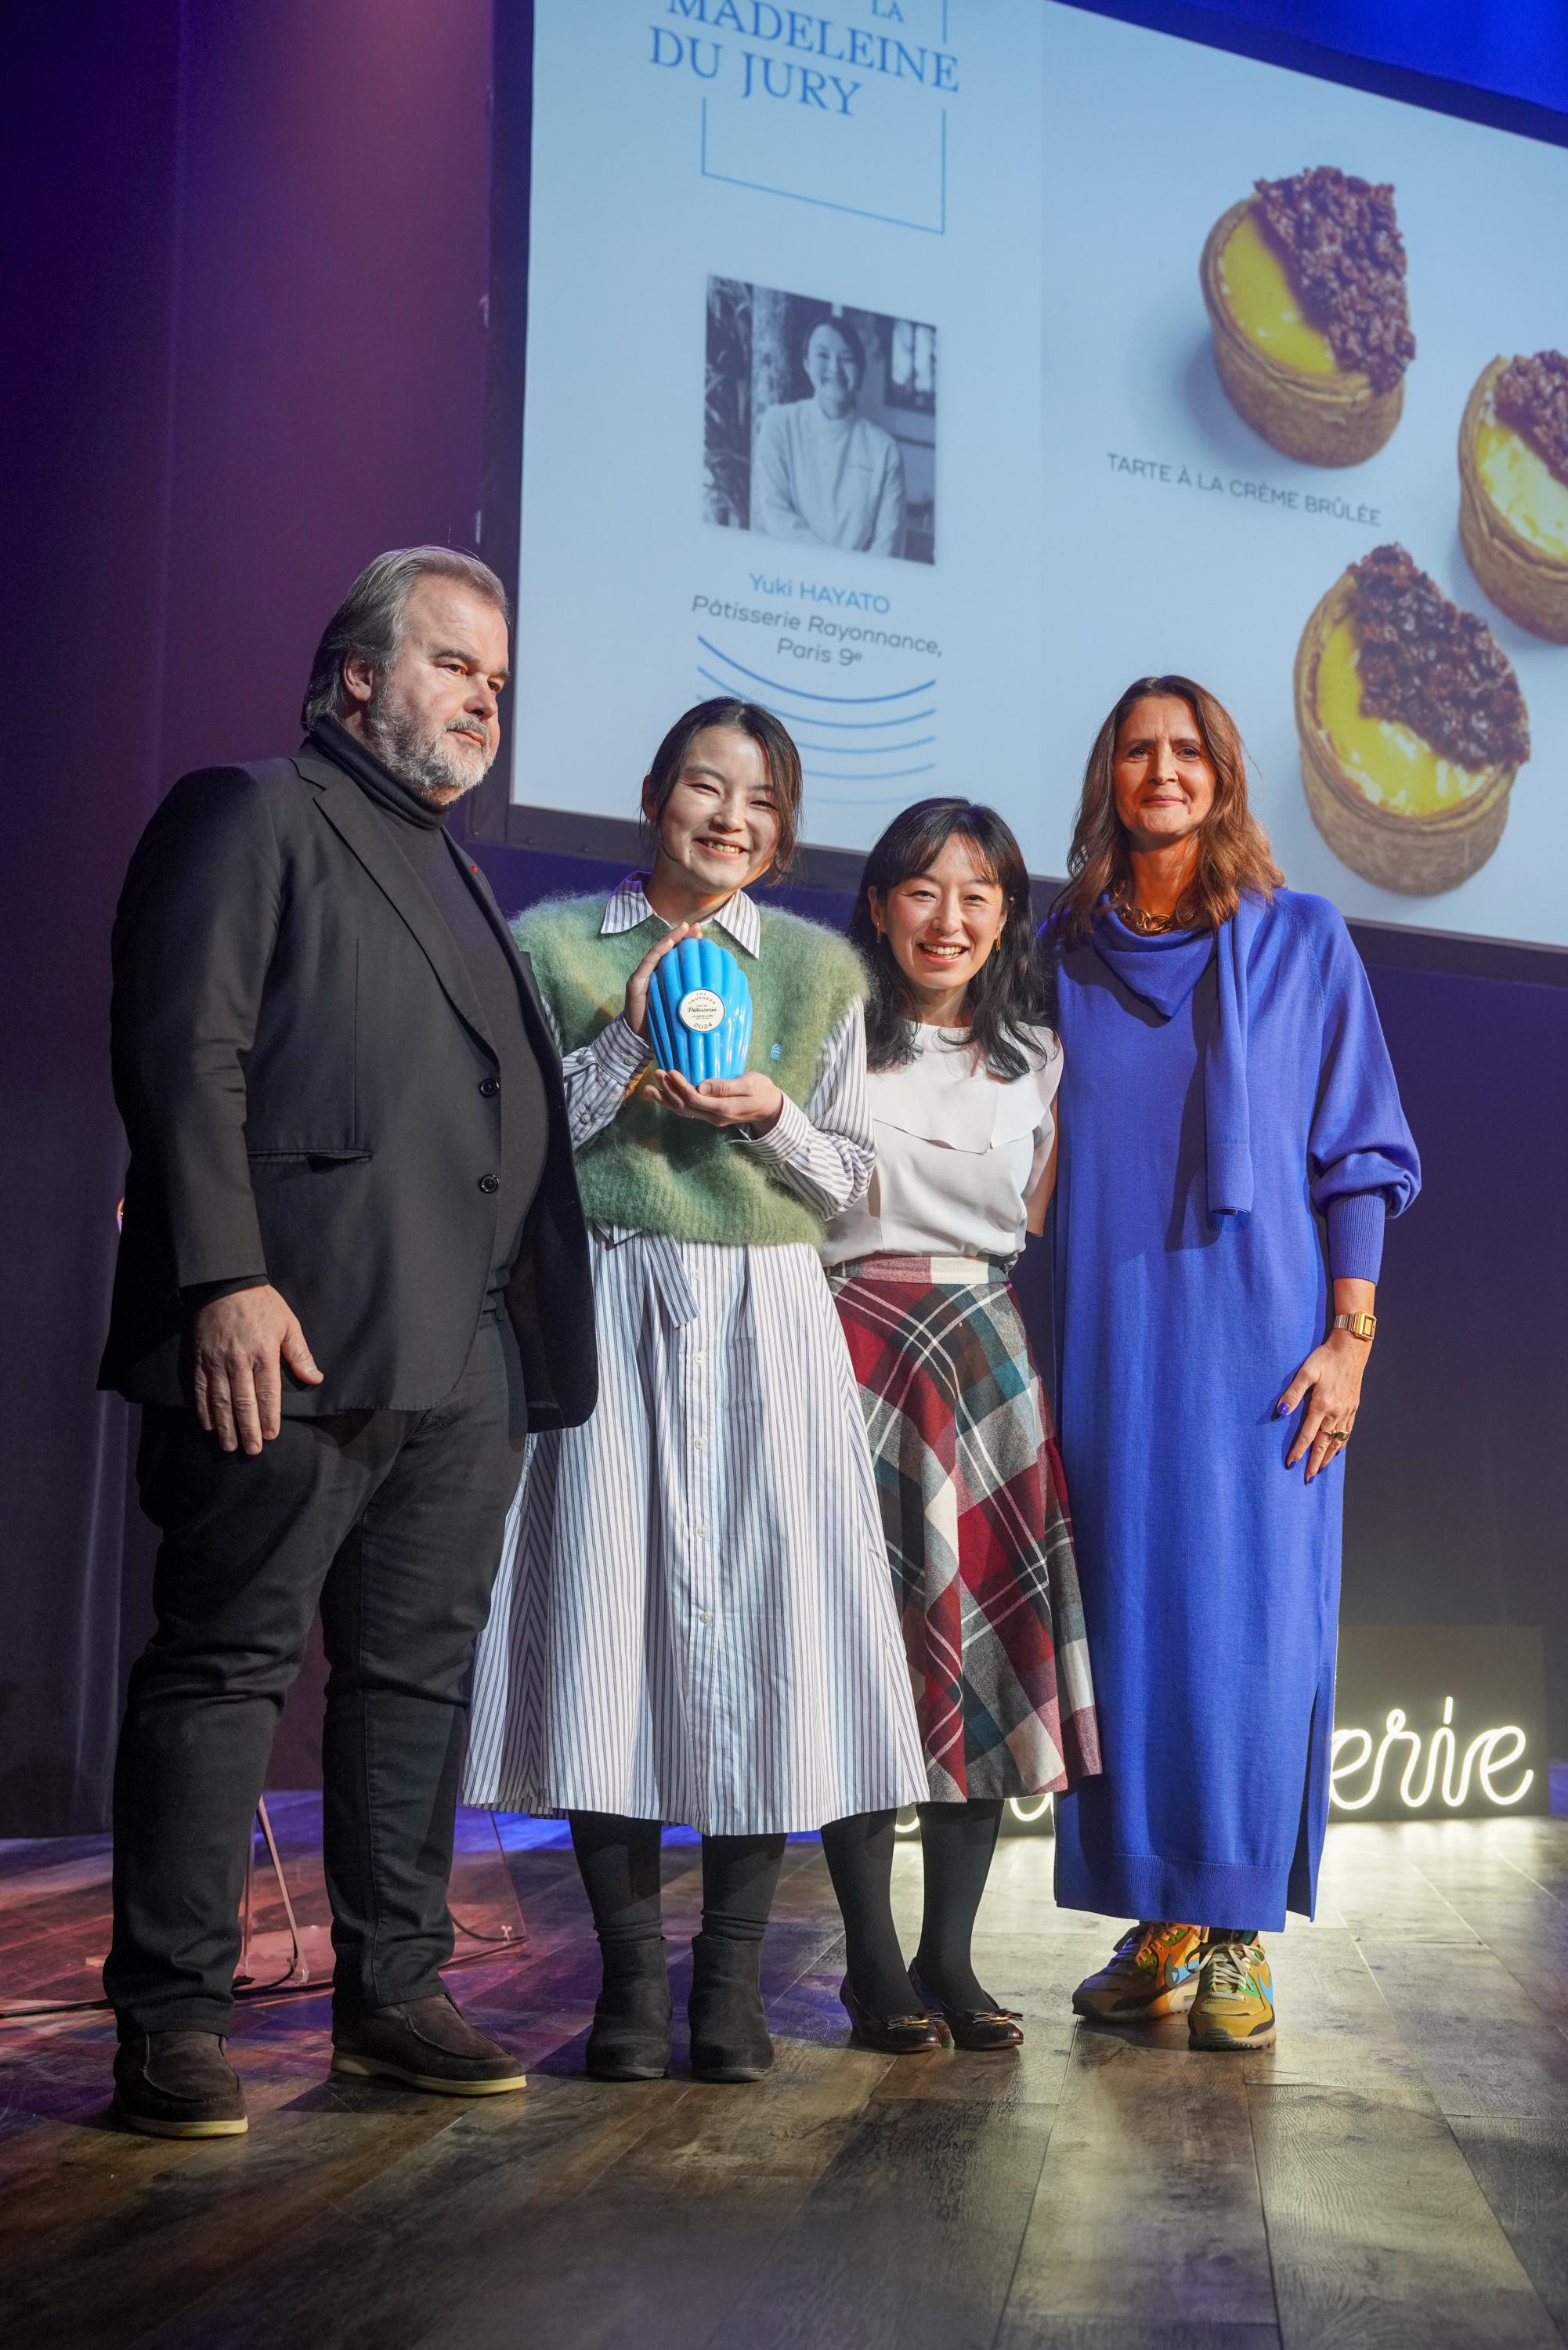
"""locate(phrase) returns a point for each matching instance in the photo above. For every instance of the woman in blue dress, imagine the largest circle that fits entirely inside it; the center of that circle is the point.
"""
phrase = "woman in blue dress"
(1226, 1085)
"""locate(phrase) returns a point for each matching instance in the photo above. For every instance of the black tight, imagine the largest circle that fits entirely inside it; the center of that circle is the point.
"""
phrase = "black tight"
(956, 1842)
(740, 1877)
(618, 1859)
(860, 1856)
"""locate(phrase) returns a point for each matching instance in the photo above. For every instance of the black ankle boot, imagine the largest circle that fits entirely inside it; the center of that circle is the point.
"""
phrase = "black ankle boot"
(729, 2031)
(630, 2035)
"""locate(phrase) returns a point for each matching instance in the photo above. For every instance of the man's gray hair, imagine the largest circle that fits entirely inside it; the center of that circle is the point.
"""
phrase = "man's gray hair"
(369, 623)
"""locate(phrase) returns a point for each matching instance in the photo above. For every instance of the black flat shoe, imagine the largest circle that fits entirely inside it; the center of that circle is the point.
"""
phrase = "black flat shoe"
(892, 2035)
(630, 2036)
(730, 2038)
(974, 2027)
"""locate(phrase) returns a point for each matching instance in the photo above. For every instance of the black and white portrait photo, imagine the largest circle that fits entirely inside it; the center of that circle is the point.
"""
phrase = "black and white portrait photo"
(819, 423)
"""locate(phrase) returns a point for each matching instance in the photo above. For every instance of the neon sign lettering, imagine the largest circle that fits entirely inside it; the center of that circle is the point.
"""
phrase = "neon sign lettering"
(1488, 1753)
(1432, 1768)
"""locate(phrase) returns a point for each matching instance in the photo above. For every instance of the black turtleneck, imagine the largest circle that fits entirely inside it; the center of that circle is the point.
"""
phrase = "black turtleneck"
(420, 831)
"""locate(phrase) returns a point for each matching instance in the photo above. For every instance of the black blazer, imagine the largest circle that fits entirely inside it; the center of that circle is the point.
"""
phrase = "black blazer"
(301, 1066)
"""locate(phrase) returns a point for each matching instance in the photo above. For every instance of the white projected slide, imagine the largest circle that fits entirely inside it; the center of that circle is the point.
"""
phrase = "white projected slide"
(929, 369)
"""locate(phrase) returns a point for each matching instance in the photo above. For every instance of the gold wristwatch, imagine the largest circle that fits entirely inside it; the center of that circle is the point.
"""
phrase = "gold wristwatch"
(1360, 1325)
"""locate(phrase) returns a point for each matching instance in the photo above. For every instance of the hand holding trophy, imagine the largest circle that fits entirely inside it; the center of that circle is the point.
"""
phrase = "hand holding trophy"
(697, 1006)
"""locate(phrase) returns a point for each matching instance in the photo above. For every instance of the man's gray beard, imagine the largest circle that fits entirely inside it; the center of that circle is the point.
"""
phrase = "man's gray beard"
(420, 761)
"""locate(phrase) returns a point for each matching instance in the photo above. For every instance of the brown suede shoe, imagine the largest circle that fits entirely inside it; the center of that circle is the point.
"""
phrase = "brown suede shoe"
(177, 2084)
(427, 2043)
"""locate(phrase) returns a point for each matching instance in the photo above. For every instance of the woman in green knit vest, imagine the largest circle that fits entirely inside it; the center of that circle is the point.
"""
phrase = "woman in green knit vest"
(693, 1621)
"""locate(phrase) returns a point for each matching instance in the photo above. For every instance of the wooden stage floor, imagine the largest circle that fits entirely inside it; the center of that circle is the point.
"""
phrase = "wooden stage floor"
(1395, 2173)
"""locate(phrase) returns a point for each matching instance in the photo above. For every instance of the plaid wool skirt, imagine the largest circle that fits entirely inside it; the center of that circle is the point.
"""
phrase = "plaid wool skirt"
(974, 1510)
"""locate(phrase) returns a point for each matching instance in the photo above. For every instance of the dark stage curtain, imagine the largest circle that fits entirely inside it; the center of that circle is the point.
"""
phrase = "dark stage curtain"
(244, 260)
(89, 207)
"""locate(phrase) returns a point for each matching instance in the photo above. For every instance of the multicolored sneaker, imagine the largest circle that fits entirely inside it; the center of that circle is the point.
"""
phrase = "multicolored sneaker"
(1153, 1971)
(1233, 2008)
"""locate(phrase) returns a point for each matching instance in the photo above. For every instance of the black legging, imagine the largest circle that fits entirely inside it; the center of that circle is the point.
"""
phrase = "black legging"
(619, 1862)
(957, 1842)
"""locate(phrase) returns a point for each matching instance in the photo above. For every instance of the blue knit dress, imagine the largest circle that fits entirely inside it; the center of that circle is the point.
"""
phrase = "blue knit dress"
(1218, 1090)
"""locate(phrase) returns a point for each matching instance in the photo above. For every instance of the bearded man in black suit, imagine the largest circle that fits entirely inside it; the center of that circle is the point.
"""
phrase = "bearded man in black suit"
(353, 1274)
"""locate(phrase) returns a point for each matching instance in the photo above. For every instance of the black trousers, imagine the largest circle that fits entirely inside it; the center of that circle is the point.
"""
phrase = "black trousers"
(392, 1523)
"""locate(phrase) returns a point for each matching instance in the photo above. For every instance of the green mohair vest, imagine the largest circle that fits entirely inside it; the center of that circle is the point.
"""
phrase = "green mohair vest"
(650, 1169)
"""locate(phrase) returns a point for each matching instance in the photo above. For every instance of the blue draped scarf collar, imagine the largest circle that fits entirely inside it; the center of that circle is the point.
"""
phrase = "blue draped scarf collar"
(1161, 969)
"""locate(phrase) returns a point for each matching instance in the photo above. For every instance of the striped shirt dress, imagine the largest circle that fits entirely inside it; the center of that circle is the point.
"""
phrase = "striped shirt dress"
(693, 1621)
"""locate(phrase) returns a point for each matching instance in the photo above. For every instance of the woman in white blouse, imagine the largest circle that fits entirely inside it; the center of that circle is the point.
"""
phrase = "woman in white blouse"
(964, 1068)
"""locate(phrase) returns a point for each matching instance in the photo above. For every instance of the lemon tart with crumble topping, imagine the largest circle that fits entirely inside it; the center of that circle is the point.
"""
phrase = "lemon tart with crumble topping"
(1412, 727)
(1513, 489)
(1304, 286)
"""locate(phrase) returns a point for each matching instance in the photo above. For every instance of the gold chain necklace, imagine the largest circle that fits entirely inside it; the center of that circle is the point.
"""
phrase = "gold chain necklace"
(1149, 925)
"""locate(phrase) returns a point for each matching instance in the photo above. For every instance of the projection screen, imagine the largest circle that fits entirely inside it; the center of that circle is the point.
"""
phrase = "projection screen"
(927, 370)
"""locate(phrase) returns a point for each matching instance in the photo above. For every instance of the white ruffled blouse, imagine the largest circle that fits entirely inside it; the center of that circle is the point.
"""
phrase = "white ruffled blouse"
(958, 1152)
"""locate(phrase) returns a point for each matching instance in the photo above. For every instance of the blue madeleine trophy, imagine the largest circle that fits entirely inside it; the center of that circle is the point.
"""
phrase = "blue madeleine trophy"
(700, 1012)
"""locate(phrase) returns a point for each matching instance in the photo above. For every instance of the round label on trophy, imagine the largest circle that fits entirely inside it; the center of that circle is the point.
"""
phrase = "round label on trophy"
(701, 1010)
